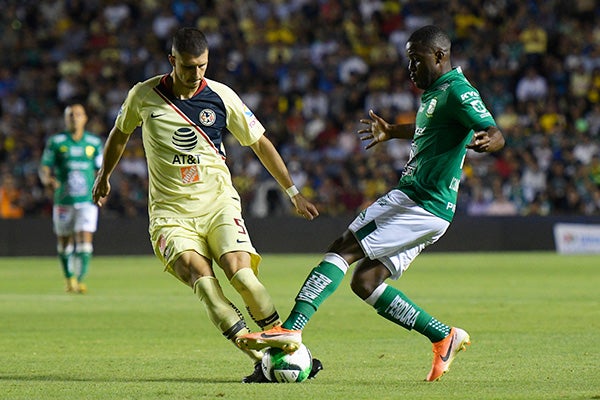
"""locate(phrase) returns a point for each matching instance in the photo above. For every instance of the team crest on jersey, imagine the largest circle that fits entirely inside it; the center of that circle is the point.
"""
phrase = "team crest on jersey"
(207, 117)
(89, 151)
(431, 108)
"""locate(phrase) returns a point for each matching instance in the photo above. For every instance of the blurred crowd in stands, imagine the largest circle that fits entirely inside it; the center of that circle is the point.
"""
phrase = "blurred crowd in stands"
(310, 70)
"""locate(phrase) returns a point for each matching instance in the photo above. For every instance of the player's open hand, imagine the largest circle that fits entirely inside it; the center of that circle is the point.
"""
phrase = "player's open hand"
(304, 207)
(377, 131)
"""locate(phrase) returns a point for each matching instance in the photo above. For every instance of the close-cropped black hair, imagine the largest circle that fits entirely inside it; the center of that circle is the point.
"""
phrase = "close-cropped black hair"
(431, 35)
(190, 41)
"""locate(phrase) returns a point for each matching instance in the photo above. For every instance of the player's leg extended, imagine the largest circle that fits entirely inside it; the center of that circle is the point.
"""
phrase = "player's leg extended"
(222, 312)
(228, 239)
(391, 303)
(258, 301)
(322, 281)
(395, 306)
(196, 271)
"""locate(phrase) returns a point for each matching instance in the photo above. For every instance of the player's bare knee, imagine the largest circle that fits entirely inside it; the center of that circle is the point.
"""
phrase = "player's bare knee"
(362, 288)
(347, 247)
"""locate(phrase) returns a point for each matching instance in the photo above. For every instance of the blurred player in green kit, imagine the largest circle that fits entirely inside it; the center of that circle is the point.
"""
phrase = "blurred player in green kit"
(69, 164)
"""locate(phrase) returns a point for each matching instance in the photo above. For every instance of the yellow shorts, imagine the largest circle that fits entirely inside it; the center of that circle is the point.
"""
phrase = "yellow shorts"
(210, 236)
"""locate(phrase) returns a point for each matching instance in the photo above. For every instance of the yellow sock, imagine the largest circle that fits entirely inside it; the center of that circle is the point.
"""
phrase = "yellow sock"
(223, 314)
(257, 299)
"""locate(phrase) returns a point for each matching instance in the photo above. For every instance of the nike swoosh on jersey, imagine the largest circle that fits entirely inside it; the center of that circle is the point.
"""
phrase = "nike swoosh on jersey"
(447, 356)
(153, 115)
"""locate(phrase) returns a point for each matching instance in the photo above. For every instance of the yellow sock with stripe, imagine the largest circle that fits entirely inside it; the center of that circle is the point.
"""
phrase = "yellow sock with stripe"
(258, 301)
(222, 312)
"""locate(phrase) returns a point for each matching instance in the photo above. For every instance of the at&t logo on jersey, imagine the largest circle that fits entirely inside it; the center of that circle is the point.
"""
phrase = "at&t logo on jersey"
(207, 117)
(185, 139)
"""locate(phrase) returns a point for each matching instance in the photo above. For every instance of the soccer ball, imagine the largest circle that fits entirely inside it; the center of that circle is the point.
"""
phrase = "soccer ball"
(281, 367)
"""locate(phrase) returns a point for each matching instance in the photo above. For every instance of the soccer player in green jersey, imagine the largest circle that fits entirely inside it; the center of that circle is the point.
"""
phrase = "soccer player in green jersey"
(387, 236)
(69, 164)
(195, 212)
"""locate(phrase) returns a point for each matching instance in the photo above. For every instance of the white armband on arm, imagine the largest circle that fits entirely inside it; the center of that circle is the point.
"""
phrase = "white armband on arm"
(292, 191)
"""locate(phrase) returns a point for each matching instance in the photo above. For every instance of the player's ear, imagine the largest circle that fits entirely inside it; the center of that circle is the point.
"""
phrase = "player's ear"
(171, 60)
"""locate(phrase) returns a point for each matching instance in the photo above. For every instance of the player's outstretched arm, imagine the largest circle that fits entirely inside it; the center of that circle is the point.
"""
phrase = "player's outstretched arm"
(113, 150)
(380, 130)
(271, 159)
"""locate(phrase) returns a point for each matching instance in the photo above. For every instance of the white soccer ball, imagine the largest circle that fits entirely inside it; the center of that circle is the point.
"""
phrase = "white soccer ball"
(283, 368)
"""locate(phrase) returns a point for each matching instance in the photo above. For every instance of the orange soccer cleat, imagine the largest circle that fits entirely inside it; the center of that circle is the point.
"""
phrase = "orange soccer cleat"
(444, 352)
(284, 339)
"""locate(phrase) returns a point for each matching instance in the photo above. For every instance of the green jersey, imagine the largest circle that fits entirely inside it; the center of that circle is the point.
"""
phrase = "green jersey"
(75, 164)
(450, 111)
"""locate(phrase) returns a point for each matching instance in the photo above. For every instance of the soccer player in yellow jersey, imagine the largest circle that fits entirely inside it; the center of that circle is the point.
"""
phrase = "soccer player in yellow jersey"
(194, 210)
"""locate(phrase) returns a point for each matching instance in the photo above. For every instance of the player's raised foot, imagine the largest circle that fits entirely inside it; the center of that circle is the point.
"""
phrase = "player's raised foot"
(317, 366)
(444, 352)
(257, 376)
(285, 339)
(71, 285)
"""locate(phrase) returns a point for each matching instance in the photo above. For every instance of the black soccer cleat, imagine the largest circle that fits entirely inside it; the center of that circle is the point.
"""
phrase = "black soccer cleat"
(317, 365)
(257, 376)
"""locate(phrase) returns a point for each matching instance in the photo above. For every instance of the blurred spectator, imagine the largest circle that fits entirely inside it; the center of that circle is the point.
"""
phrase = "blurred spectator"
(10, 198)
(532, 86)
(311, 70)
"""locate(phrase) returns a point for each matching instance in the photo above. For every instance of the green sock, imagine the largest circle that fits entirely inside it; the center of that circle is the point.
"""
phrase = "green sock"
(393, 305)
(83, 254)
(84, 263)
(64, 255)
(322, 281)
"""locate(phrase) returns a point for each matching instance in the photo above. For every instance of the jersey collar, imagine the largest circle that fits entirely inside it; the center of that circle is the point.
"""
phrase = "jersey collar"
(166, 85)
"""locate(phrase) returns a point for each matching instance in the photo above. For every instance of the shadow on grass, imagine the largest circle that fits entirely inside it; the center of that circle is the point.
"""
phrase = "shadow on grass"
(64, 378)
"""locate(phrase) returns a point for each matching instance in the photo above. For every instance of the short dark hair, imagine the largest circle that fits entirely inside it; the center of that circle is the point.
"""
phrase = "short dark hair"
(431, 35)
(190, 41)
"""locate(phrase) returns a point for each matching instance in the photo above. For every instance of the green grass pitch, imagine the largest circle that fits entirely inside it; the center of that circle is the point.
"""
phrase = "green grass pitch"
(534, 319)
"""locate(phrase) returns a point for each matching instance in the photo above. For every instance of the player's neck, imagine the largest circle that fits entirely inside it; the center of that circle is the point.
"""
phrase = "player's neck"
(182, 92)
(77, 134)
